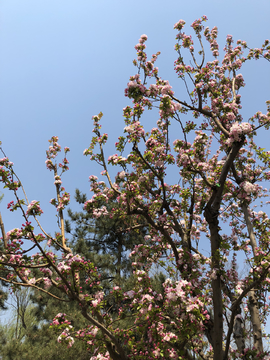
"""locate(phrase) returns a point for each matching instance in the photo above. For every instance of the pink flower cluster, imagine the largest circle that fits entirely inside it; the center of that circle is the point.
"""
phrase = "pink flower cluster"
(238, 130)
(34, 209)
(14, 234)
(106, 356)
(65, 336)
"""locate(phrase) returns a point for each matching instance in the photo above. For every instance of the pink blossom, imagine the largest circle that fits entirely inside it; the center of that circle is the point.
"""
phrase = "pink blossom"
(122, 175)
(179, 25)
(95, 303)
(130, 294)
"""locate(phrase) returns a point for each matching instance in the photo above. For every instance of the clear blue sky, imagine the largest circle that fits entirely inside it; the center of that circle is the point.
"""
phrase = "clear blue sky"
(63, 61)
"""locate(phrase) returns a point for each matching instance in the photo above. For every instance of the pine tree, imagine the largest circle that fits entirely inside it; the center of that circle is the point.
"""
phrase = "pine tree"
(106, 242)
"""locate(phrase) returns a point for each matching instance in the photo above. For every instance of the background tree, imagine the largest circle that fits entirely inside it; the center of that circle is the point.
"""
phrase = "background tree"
(104, 241)
(34, 340)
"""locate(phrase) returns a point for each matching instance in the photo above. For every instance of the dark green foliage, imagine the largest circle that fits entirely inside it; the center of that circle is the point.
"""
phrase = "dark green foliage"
(106, 242)
(40, 344)
(30, 338)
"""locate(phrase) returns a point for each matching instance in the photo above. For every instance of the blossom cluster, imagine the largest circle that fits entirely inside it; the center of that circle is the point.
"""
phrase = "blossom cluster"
(65, 336)
(34, 209)
(238, 130)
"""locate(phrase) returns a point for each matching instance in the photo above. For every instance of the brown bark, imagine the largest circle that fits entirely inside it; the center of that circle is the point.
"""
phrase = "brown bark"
(217, 334)
(115, 349)
(211, 214)
(4, 236)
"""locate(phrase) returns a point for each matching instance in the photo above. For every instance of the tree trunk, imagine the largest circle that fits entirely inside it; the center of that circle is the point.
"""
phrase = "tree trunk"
(212, 220)
(238, 333)
(253, 303)
(255, 320)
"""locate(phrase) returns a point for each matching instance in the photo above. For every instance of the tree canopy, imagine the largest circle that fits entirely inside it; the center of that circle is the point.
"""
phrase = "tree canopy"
(196, 221)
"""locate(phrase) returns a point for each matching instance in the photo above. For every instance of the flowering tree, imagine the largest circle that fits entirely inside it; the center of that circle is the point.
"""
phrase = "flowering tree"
(220, 170)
